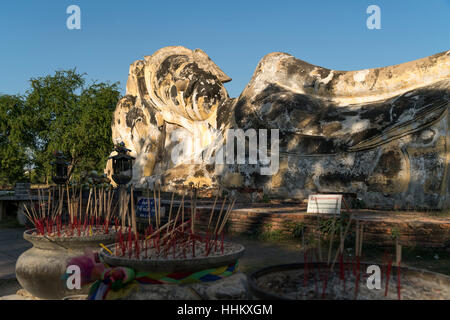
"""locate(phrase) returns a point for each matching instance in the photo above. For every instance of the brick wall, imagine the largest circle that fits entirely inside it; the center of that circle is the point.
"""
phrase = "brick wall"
(430, 232)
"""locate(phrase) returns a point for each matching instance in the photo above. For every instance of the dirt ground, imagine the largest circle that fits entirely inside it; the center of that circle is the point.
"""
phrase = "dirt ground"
(8, 287)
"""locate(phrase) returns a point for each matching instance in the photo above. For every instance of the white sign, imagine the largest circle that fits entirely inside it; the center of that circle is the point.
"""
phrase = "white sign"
(324, 203)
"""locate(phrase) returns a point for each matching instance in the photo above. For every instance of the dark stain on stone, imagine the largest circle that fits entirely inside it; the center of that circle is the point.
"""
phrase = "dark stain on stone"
(389, 164)
(349, 113)
(152, 111)
(331, 113)
(258, 179)
(133, 116)
(316, 145)
(376, 72)
(340, 178)
(169, 65)
(282, 101)
(245, 117)
(205, 83)
(142, 87)
(127, 101)
(296, 66)
(363, 135)
(210, 168)
(173, 95)
(224, 113)
(198, 174)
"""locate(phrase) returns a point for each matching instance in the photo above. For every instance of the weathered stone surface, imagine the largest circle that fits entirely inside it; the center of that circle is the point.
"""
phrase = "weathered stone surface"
(382, 133)
(234, 287)
(172, 96)
(231, 288)
(40, 270)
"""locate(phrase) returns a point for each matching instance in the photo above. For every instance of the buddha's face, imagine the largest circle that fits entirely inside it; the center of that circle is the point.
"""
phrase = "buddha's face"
(188, 88)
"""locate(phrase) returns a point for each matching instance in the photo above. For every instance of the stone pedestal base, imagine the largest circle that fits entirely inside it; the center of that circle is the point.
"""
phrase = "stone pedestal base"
(234, 287)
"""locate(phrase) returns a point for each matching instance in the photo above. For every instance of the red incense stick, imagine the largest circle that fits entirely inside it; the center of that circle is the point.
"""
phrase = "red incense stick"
(357, 276)
(398, 281)
(305, 268)
(388, 272)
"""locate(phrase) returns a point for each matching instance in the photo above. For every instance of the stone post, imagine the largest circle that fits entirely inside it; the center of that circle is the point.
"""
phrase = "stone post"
(20, 213)
(1, 210)
(22, 194)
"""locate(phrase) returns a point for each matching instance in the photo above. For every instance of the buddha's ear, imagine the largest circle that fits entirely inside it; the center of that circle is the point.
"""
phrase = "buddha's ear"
(205, 62)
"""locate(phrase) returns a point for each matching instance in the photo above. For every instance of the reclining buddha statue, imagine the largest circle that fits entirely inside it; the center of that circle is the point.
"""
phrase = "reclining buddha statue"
(381, 134)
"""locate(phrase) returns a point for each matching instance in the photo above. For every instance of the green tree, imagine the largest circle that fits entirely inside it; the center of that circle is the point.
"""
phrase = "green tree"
(65, 114)
(14, 139)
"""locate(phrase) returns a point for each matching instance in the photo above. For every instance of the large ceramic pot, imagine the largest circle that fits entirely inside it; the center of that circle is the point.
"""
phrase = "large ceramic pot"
(286, 282)
(40, 270)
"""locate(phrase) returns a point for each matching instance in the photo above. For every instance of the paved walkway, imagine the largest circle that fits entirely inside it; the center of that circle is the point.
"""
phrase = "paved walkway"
(12, 245)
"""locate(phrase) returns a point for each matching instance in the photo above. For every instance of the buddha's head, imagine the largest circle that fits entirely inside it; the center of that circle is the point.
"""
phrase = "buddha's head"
(186, 82)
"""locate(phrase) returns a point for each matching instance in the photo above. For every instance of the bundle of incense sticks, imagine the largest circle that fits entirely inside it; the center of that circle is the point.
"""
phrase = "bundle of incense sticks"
(347, 263)
(313, 248)
(59, 212)
(177, 236)
(342, 241)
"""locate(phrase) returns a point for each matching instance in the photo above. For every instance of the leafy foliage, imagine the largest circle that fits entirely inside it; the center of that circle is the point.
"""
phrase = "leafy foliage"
(59, 112)
(14, 139)
(326, 226)
(296, 229)
(395, 233)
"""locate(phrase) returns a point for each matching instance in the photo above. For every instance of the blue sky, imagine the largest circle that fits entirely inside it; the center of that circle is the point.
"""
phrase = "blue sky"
(34, 39)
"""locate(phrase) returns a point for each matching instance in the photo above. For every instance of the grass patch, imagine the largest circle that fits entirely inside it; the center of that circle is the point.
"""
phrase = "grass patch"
(289, 232)
(266, 232)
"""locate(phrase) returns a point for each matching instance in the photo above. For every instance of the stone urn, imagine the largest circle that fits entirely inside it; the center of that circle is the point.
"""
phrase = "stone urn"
(40, 270)
(287, 282)
(232, 287)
